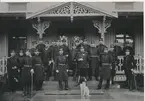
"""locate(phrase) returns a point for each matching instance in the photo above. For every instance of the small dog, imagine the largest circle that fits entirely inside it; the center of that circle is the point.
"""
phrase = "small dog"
(84, 88)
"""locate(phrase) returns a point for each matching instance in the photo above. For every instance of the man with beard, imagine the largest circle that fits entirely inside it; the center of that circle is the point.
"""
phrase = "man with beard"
(12, 68)
(38, 70)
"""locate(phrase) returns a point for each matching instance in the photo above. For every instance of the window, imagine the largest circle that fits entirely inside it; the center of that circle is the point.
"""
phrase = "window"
(122, 38)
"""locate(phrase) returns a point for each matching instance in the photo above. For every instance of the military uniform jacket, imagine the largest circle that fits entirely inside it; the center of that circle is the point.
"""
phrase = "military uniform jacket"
(82, 59)
(11, 63)
(117, 50)
(61, 64)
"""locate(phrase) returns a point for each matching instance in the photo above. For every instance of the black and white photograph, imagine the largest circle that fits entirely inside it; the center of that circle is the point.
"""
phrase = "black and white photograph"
(71, 51)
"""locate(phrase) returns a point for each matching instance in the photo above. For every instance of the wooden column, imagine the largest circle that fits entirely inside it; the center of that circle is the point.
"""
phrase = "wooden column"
(41, 27)
(102, 26)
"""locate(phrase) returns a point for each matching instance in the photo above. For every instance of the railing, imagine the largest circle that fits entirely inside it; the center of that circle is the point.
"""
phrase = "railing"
(139, 70)
(3, 66)
(119, 73)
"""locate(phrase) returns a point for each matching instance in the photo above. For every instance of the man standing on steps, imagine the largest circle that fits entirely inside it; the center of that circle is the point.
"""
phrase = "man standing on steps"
(100, 49)
(61, 65)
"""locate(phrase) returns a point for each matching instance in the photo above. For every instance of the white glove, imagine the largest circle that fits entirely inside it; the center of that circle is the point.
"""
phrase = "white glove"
(132, 70)
(14, 67)
(50, 62)
(57, 71)
(32, 71)
(67, 70)
(66, 55)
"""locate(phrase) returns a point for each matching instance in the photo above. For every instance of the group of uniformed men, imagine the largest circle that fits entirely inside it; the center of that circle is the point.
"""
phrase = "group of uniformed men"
(32, 67)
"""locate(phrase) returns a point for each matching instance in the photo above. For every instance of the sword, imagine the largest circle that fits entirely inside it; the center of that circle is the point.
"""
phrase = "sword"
(31, 84)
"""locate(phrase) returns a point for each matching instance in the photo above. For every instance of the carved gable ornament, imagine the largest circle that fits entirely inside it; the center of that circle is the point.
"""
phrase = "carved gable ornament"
(71, 9)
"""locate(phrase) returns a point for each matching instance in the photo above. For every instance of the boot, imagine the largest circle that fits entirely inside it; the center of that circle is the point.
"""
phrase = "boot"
(66, 85)
(60, 85)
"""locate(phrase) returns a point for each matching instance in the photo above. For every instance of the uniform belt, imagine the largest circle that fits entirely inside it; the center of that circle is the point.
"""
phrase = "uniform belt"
(38, 64)
(93, 56)
(105, 63)
(62, 64)
(27, 66)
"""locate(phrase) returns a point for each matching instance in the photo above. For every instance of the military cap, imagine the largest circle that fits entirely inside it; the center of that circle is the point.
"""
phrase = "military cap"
(127, 50)
(100, 39)
(12, 51)
(61, 49)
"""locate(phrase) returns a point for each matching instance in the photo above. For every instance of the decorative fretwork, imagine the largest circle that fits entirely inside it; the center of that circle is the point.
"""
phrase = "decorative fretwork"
(63, 9)
(102, 26)
(41, 27)
(81, 9)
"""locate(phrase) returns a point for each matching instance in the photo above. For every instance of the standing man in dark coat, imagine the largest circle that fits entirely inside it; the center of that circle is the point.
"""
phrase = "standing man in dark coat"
(114, 62)
(38, 70)
(61, 64)
(73, 62)
(82, 58)
(128, 66)
(13, 74)
(100, 49)
(20, 64)
(94, 60)
(105, 69)
(27, 74)
(46, 59)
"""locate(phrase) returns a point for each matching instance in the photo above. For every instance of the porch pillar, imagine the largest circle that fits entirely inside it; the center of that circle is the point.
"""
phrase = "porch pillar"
(102, 26)
(41, 27)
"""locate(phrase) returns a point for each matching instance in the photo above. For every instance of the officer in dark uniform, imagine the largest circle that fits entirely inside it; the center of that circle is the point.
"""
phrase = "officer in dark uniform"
(46, 59)
(38, 70)
(20, 64)
(82, 58)
(127, 46)
(73, 63)
(13, 71)
(94, 60)
(100, 49)
(105, 68)
(128, 66)
(61, 65)
(114, 62)
(117, 48)
(27, 73)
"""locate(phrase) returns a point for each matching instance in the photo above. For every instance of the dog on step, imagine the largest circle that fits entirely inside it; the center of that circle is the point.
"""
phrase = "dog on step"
(85, 92)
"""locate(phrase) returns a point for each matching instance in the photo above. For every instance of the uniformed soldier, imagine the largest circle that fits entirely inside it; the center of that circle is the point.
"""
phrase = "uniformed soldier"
(20, 64)
(105, 69)
(127, 46)
(117, 48)
(114, 62)
(100, 49)
(61, 64)
(38, 70)
(128, 66)
(13, 73)
(46, 59)
(82, 58)
(27, 73)
(94, 60)
(73, 62)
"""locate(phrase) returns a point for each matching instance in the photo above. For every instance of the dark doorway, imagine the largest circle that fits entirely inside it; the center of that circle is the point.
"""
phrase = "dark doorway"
(17, 39)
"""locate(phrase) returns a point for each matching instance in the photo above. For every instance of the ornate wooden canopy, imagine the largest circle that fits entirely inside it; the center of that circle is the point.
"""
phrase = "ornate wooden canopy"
(71, 9)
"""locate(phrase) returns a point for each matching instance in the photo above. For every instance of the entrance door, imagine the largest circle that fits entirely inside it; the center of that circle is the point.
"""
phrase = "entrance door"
(17, 40)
